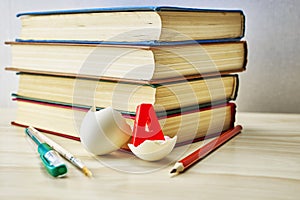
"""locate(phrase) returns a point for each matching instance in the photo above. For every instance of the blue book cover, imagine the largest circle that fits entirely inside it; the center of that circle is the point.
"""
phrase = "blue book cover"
(126, 9)
(151, 43)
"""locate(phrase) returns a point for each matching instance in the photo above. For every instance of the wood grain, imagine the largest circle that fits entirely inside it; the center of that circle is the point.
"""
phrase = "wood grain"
(261, 163)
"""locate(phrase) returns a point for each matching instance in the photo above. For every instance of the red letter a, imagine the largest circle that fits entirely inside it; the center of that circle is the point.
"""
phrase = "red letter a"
(146, 125)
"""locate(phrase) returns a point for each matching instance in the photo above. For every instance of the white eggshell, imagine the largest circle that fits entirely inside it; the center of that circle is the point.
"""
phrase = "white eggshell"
(153, 150)
(104, 131)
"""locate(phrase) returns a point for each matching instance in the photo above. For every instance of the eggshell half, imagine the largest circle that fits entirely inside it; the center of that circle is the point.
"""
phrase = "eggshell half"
(104, 131)
(153, 150)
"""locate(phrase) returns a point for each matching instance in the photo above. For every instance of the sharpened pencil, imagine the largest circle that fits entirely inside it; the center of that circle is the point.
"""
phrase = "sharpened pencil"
(200, 153)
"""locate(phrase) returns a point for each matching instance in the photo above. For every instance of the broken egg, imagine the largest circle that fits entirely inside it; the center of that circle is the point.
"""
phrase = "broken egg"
(104, 131)
(153, 150)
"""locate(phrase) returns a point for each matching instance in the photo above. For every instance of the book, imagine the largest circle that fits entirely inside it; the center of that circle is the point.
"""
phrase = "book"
(132, 24)
(187, 123)
(125, 96)
(152, 64)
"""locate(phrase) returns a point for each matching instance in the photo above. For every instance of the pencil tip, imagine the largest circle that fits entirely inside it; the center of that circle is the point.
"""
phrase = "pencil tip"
(173, 171)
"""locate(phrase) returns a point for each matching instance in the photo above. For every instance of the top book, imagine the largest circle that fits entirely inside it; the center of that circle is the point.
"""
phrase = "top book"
(132, 24)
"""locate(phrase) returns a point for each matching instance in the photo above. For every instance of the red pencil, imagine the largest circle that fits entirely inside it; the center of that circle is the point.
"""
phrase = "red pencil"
(200, 153)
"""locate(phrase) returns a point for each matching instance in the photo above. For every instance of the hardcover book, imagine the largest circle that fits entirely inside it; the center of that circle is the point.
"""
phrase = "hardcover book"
(125, 96)
(187, 123)
(132, 24)
(151, 64)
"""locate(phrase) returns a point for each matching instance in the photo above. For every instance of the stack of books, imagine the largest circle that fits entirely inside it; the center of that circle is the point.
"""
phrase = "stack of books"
(184, 61)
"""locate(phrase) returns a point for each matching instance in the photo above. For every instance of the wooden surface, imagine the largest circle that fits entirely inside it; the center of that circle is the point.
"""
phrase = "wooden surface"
(261, 163)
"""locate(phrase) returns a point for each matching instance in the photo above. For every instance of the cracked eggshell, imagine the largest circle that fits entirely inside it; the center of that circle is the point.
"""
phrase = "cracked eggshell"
(153, 150)
(104, 131)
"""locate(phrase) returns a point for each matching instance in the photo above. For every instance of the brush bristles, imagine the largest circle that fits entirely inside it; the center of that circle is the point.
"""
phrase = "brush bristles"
(87, 172)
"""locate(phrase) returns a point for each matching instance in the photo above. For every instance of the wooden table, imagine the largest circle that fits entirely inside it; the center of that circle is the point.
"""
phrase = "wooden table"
(261, 163)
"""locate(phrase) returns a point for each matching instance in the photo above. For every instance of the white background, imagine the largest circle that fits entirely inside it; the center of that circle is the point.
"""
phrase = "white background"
(271, 82)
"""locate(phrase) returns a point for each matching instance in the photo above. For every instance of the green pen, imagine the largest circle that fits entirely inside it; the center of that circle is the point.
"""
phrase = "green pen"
(51, 160)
